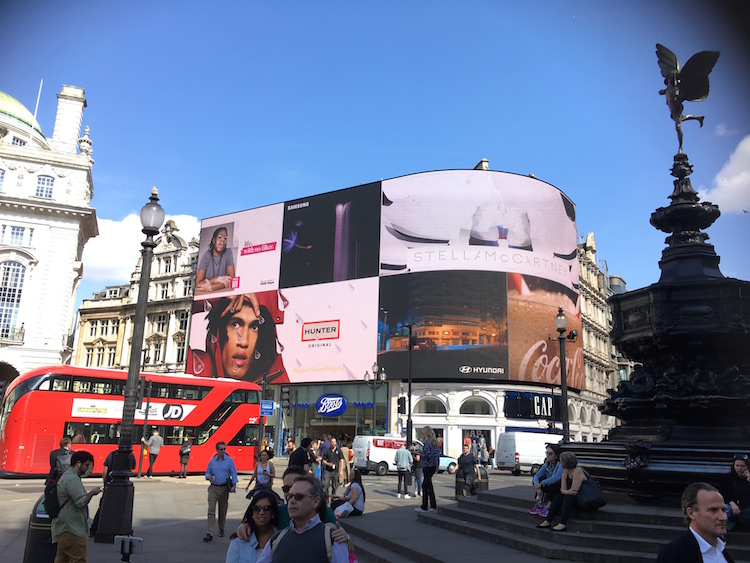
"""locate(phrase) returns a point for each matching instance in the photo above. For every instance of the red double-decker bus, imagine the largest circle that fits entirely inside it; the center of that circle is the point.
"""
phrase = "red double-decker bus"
(43, 405)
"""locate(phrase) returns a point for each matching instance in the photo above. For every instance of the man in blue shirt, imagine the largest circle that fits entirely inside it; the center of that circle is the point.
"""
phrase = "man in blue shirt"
(222, 474)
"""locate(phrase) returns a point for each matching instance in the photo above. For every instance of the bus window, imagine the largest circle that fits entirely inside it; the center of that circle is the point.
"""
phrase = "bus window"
(61, 383)
(188, 392)
(247, 436)
(81, 385)
(253, 397)
(159, 391)
(238, 397)
(177, 434)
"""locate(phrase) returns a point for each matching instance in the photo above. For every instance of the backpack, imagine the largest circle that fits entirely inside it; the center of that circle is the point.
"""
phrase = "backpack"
(62, 463)
(329, 541)
(51, 502)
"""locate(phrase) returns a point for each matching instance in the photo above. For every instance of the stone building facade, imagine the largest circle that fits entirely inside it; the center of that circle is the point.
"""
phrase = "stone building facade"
(105, 326)
(46, 218)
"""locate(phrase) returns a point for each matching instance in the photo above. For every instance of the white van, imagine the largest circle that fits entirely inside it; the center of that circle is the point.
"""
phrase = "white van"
(522, 451)
(376, 453)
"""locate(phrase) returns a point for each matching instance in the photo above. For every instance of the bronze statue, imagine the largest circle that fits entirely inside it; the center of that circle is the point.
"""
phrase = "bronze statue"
(689, 83)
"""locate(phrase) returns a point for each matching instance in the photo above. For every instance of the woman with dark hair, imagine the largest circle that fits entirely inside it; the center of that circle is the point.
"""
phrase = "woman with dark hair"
(263, 518)
(430, 461)
(547, 481)
(216, 266)
(352, 503)
(735, 488)
(240, 340)
(572, 478)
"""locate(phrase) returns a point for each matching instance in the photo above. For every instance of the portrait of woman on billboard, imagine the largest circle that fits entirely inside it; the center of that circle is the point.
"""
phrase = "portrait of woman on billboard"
(216, 265)
(241, 340)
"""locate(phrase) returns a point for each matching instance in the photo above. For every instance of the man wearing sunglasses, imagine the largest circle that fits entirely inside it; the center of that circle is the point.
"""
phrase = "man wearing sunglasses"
(306, 533)
(292, 474)
(222, 474)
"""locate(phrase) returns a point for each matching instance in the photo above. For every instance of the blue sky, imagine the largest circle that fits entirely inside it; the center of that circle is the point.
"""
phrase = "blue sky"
(226, 106)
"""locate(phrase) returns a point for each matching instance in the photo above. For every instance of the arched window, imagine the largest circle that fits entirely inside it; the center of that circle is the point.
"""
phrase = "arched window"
(429, 406)
(11, 286)
(44, 185)
(476, 406)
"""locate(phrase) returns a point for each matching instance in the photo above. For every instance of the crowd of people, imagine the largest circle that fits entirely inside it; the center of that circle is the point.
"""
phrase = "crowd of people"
(311, 506)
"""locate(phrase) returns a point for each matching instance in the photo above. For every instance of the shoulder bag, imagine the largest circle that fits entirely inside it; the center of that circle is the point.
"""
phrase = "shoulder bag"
(590, 495)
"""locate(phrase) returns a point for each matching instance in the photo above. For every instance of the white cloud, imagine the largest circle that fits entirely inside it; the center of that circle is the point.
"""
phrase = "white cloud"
(722, 130)
(731, 190)
(111, 257)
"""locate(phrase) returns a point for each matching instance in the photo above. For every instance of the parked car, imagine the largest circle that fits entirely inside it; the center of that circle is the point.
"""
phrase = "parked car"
(447, 463)
(424, 344)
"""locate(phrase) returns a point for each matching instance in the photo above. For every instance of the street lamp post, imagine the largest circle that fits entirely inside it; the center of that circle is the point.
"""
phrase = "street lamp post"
(409, 428)
(561, 324)
(117, 503)
(374, 381)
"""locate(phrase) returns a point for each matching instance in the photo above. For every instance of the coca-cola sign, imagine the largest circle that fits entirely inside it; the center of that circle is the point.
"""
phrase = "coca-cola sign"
(330, 405)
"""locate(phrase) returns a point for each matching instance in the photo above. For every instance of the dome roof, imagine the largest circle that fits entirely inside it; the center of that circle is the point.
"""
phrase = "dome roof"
(15, 110)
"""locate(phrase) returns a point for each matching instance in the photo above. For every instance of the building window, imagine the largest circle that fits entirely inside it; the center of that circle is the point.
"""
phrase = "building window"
(187, 288)
(161, 323)
(18, 142)
(183, 318)
(164, 290)
(99, 356)
(93, 325)
(110, 356)
(157, 352)
(89, 356)
(31, 235)
(115, 327)
(16, 235)
(476, 406)
(105, 327)
(180, 352)
(44, 186)
(2, 177)
(113, 293)
(430, 406)
(11, 287)
(167, 265)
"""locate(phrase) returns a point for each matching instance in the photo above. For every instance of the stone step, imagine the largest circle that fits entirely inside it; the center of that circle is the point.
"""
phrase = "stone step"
(573, 537)
(369, 552)
(543, 546)
(583, 521)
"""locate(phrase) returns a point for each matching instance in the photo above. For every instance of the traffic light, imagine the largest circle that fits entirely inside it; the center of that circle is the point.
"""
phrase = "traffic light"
(402, 405)
(285, 397)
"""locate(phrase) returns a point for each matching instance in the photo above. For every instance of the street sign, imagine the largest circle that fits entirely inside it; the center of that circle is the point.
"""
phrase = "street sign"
(266, 408)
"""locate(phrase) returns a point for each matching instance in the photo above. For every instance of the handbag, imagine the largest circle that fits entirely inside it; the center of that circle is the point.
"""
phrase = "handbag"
(590, 495)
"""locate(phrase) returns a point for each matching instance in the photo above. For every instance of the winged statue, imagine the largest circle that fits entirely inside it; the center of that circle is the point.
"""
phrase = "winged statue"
(685, 84)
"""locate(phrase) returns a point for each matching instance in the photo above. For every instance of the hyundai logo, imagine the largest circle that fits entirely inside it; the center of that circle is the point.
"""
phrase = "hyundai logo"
(465, 369)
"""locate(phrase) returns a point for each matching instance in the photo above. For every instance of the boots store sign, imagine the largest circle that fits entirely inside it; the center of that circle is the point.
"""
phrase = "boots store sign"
(330, 405)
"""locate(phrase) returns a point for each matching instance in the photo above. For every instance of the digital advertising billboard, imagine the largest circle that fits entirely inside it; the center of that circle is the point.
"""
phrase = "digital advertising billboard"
(316, 289)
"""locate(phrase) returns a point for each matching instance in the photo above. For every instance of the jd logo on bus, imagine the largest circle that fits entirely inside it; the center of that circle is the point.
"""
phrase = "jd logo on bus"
(172, 412)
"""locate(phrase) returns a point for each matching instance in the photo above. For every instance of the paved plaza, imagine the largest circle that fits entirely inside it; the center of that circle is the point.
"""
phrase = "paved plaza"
(170, 515)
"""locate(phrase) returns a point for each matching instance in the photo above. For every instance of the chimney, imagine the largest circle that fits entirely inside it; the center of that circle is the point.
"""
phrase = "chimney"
(70, 104)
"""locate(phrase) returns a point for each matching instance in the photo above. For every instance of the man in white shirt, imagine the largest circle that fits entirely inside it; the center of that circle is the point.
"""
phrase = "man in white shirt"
(704, 510)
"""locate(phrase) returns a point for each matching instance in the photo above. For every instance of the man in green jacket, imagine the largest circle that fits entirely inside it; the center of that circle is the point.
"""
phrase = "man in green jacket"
(71, 527)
